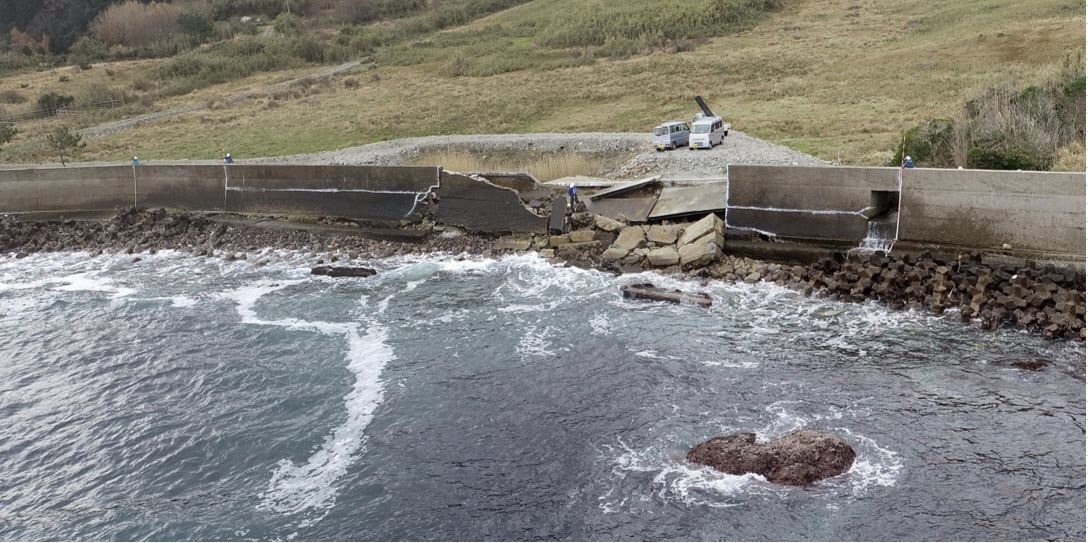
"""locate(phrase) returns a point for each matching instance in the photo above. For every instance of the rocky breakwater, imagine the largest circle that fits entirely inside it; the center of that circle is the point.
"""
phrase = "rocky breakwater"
(800, 458)
(1046, 299)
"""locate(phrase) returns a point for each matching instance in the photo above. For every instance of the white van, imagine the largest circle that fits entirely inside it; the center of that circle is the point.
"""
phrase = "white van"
(706, 132)
(671, 135)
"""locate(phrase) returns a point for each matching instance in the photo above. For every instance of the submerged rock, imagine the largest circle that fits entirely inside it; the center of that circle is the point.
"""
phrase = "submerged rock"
(342, 271)
(1031, 364)
(800, 458)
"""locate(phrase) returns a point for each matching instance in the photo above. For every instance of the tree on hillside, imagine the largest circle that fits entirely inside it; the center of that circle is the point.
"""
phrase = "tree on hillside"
(7, 132)
(63, 142)
(59, 22)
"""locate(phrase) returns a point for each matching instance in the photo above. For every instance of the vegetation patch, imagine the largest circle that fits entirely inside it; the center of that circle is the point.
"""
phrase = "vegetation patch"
(1008, 127)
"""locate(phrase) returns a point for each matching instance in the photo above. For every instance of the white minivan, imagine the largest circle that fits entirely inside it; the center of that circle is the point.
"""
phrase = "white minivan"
(706, 132)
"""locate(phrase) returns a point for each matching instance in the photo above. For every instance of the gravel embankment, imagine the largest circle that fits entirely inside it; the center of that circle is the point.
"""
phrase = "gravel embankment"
(738, 148)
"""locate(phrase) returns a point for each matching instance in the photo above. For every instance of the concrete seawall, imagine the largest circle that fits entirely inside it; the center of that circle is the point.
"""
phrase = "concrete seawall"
(1034, 212)
(1037, 211)
(375, 193)
(1041, 212)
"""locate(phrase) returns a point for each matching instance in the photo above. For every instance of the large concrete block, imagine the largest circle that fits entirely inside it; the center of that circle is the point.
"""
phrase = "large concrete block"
(663, 257)
(663, 234)
(695, 255)
(707, 225)
(630, 238)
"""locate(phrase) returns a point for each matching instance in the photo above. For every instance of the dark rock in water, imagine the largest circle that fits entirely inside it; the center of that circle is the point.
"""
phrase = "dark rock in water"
(646, 291)
(800, 458)
(342, 271)
(1031, 364)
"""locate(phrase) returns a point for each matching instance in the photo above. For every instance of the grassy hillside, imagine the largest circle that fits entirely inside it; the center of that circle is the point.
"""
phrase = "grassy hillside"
(841, 79)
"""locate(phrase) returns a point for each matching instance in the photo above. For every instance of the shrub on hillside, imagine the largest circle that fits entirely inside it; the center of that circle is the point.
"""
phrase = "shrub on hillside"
(287, 24)
(197, 26)
(52, 101)
(88, 49)
(7, 133)
(1008, 158)
(132, 24)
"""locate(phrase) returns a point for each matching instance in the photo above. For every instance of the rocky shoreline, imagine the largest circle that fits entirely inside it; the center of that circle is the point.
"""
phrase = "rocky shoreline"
(1048, 300)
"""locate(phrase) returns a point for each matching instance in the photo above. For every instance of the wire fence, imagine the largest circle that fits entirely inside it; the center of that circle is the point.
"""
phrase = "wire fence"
(66, 111)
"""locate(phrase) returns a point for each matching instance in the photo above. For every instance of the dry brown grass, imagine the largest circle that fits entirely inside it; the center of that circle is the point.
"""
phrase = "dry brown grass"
(1070, 158)
(543, 166)
(841, 79)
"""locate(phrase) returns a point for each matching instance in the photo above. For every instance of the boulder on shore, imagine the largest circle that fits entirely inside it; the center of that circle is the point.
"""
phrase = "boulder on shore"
(342, 271)
(799, 458)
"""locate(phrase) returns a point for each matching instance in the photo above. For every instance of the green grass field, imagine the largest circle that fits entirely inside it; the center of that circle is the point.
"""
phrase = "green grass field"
(840, 79)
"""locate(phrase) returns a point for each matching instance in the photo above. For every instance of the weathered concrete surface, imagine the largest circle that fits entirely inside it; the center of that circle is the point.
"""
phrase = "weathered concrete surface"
(684, 201)
(520, 181)
(480, 206)
(181, 187)
(624, 188)
(814, 188)
(805, 202)
(371, 192)
(848, 228)
(634, 210)
(1033, 211)
(66, 189)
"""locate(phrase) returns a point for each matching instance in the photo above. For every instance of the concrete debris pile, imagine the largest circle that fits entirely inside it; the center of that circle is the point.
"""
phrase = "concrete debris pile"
(603, 242)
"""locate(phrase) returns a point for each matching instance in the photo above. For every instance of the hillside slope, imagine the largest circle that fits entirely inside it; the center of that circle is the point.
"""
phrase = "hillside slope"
(840, 79)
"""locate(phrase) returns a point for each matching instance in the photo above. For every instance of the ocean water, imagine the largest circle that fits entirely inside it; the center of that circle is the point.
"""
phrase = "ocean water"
(445, 398)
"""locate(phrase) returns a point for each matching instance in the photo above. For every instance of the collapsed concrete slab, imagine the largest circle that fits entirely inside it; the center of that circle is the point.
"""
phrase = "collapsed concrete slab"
(686, 201)
(481, 206)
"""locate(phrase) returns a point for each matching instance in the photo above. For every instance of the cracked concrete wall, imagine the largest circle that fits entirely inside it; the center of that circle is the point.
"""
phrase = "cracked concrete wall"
(481, 206)
(805, 202)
